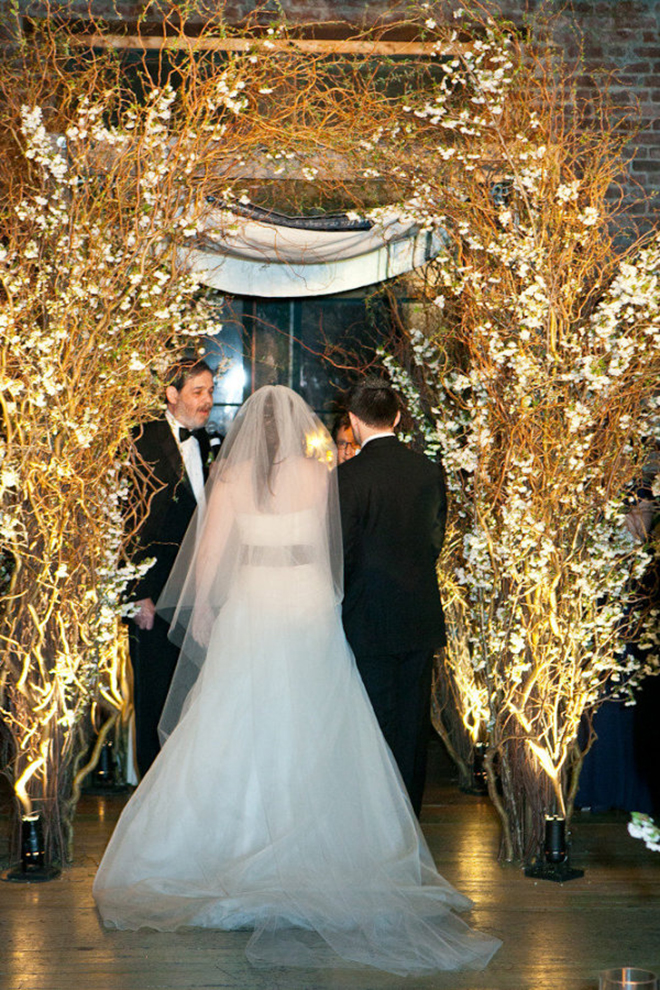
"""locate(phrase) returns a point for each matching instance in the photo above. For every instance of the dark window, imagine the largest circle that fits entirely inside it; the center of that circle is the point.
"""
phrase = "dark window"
(315, 345)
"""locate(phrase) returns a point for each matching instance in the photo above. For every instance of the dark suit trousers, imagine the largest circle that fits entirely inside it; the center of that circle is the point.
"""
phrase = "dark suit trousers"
(153, 658)
(399, 686)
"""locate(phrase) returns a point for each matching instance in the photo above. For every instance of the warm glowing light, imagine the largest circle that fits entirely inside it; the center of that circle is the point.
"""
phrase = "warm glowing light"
(318, 445)
(21, 784)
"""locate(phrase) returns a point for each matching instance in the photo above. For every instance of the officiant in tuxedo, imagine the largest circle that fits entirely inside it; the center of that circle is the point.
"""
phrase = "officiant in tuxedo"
(173, 453)
(393, 511)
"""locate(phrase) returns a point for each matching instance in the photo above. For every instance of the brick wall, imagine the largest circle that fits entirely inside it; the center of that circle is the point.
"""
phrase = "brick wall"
(623, 37)
(620, 36)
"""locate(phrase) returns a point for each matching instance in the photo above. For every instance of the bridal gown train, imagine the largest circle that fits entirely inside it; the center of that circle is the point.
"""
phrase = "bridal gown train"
(276, 805)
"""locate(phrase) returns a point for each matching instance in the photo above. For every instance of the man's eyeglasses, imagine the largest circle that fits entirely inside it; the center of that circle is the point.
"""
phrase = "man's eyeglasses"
(346, 444)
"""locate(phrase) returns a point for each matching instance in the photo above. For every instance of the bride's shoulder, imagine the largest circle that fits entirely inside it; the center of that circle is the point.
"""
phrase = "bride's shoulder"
(236, 474)
(232, 481)
(315, 470)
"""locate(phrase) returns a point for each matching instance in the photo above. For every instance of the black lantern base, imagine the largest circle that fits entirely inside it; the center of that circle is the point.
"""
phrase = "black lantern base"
(41, 874)
(103, 790)
(478, 783)
(104, 778)
(554, 865)
(478, 787)
(32, 867)
(559, 872)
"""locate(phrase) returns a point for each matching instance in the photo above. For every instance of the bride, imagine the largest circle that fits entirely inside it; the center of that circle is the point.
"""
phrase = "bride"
(275, 804)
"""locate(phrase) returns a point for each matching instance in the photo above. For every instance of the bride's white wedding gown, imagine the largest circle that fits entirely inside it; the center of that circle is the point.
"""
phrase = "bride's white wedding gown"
(275, 805)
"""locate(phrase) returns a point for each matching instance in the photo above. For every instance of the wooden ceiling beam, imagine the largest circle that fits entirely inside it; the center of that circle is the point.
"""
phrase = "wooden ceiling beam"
(307, 45)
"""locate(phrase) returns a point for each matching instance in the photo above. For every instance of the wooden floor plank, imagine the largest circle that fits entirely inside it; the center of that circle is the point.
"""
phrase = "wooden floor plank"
(556, 936)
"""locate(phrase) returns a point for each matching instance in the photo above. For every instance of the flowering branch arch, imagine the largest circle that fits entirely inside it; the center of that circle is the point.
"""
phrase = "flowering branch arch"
(534, 349)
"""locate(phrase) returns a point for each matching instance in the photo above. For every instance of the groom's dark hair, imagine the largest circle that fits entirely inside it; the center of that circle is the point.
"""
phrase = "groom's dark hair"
(373, 401)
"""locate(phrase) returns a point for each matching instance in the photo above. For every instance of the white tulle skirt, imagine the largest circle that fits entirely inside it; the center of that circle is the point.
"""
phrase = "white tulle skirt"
(276, 806)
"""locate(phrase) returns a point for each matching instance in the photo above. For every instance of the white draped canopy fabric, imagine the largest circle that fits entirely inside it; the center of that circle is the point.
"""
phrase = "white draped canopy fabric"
(244, 256)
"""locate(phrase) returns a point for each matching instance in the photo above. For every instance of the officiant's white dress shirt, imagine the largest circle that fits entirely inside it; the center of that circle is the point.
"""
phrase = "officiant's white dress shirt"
(192, 459)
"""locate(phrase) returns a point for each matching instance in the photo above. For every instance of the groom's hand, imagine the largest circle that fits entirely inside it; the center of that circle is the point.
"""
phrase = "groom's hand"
(144, 618)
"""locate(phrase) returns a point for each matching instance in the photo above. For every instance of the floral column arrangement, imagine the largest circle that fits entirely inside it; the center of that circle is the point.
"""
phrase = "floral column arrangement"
(533, 370)
(97, 209)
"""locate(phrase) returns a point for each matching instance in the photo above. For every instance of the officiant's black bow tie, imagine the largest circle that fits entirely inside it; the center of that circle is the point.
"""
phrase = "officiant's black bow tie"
(185, 434)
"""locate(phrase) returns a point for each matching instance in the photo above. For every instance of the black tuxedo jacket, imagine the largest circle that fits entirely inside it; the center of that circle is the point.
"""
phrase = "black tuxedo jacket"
(161, 532)
(393, 511)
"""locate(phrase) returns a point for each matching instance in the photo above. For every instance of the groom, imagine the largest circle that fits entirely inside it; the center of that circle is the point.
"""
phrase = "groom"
(393, 510)
(173, 454)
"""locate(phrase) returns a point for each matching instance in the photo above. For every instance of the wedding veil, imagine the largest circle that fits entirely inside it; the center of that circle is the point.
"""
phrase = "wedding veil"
(271, 508)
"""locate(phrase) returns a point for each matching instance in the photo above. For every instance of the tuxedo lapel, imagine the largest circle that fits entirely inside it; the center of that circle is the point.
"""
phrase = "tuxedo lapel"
(205, 451)
(170, 451)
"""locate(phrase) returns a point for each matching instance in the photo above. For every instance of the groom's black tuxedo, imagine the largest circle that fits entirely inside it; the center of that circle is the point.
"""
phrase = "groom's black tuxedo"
(393, 510)
(160, 534)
